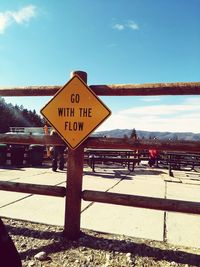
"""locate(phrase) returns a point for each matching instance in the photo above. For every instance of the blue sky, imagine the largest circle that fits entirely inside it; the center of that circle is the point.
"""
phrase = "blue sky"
(115, 42)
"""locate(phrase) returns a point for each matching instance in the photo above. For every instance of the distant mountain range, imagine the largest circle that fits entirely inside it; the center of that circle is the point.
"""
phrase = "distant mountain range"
(120, 133)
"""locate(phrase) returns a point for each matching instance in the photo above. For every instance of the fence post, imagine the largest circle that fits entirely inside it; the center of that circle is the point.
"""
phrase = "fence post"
(74, 185)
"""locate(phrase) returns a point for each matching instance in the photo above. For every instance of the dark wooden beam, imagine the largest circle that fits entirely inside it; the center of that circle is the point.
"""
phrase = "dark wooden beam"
(150, 89)
(48, 90)
(47, 190)
(142, 201)
(30, 139)
(100, 142)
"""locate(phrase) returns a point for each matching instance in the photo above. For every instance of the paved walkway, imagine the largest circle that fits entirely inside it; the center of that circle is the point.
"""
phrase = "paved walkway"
(176, 228)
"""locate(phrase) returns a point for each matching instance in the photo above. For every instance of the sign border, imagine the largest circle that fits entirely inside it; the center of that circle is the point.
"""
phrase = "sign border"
(98, 99)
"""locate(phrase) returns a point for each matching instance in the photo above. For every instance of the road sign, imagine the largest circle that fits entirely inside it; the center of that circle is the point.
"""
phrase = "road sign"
(75, 112)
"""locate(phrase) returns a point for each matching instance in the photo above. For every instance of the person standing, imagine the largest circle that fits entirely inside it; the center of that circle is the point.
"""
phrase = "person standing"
(57, 155)
(46, 132)
(153, 155)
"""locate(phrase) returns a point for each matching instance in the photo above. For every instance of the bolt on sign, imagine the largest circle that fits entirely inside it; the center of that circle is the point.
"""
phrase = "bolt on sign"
(75, 112)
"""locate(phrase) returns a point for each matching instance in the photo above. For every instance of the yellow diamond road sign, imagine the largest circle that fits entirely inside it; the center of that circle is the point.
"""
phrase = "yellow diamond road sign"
(75, 112)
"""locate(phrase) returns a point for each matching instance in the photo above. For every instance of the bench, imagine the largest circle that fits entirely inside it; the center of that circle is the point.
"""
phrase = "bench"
(125, 157)
(180, 161)
(129, 162)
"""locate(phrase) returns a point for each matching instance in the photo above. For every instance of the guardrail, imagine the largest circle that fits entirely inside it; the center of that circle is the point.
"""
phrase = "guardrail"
(73, 191)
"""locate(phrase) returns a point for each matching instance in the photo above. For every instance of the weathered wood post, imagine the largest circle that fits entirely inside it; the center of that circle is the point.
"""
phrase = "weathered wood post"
(74, 185)
(170, 166)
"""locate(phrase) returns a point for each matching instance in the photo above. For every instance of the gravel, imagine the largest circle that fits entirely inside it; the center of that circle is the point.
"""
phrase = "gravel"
(44, 245)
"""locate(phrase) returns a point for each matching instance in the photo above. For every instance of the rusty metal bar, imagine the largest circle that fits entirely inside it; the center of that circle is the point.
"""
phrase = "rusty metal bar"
(150, 89)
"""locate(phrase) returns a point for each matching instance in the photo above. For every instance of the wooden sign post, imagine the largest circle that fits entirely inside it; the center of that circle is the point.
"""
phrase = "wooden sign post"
(74, 177)
(75, 112)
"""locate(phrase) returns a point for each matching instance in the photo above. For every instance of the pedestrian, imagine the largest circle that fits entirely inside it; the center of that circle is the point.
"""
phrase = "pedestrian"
(46, 132)
(153, 155)
(57, 155)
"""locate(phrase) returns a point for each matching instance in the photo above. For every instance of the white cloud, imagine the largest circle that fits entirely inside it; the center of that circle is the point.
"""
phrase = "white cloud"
(4, 22)
(130, 24)
(119, 27)
(161, 109)
(173, 118)
(24, 14)
(21, 16)
(193, 100)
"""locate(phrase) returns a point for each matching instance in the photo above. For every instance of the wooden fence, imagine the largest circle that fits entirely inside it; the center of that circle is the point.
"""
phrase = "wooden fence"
(73, 192)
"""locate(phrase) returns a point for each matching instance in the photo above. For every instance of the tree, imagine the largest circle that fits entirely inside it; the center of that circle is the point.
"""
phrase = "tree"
(15, 116)
(133, 134)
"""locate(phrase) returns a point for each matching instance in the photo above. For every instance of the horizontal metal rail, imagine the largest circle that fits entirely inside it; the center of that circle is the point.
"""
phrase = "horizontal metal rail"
(142, 201)
(149, 89)
(47, 190)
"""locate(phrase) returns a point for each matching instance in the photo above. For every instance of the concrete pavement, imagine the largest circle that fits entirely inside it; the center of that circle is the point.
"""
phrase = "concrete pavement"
(176, 228)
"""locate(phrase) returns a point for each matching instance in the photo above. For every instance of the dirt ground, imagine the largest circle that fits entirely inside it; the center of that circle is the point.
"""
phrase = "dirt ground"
(92, 248)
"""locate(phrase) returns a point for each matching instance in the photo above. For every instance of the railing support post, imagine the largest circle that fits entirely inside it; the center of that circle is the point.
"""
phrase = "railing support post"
(74, 185)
